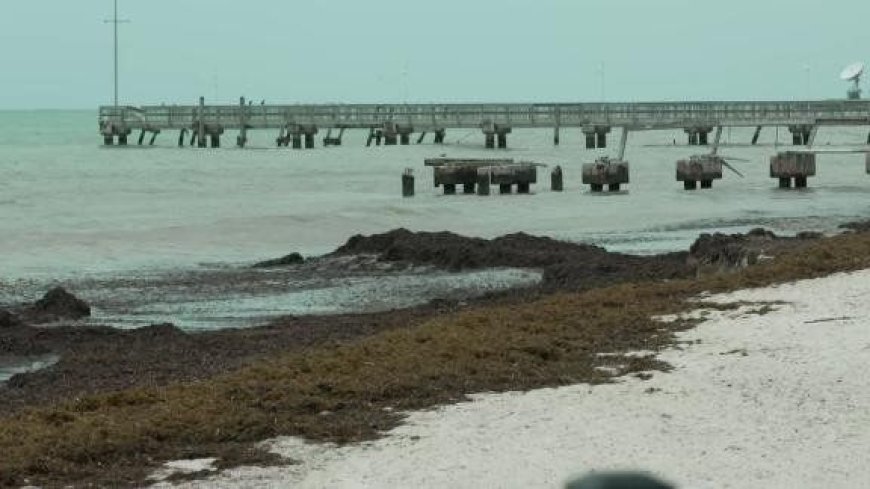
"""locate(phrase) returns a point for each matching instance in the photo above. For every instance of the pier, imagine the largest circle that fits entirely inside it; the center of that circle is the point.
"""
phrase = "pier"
(391, 124)
(297, 126)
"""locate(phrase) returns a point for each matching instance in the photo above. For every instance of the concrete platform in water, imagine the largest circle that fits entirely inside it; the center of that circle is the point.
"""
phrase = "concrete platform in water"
(479, 174)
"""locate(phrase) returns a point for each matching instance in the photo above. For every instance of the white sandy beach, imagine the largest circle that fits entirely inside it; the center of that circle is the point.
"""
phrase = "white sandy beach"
(776, 401)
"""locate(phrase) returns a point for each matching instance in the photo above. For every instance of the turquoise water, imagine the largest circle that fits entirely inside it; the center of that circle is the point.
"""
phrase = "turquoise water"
(69, 207)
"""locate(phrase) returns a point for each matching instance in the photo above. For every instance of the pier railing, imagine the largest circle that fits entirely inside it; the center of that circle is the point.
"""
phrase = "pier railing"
(636, 116)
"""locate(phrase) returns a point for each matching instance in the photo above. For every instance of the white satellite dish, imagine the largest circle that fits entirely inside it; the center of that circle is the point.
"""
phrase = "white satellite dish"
(853, 74)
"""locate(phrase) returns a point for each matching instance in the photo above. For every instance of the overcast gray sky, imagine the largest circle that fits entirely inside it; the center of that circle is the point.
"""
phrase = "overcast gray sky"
(57, 53)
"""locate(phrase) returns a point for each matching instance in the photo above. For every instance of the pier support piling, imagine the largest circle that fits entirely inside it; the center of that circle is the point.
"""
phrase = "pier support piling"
(483, 181)
(440, 135)
(489, 142)
(756, 135)
(108, 140)
(468, 188)
(404, 134)
(700, 168)
(449, 189)
(596, 136)
(605, 171)
(504, 188)
(601, 139)
(556, 180)
(791, 165)
(802, 134)
(421, 137)
(408, 183)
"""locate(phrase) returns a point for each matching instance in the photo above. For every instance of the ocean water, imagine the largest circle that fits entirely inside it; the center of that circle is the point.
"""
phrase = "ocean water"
(70, 208)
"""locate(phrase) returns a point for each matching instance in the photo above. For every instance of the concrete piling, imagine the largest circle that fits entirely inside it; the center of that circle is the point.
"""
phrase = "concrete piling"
(605, 171)
(756, 135)
(404, 134)
(182, 136)
(489, 142)
(556, 136)
(296, 141)
(698, 136)
(699, 168)
(556, 179)
(867, 162)
(794, 166)
(439, 136)
(408, 183)
(801, 134)
(601, 139)
(153, 137)
(421, 137)
(108, 140)
(596, 136)
(483, 180)
(501, 134)
(481, 174)
(309, 141)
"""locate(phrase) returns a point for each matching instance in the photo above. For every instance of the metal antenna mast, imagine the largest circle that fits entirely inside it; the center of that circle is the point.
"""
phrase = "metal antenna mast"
(115, 21)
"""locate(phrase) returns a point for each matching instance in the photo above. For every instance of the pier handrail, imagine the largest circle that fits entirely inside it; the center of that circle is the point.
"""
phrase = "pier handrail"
(634, 115)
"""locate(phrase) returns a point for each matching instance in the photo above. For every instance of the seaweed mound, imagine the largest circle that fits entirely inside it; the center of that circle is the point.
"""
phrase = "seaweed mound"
(565, 265)
(58, 304)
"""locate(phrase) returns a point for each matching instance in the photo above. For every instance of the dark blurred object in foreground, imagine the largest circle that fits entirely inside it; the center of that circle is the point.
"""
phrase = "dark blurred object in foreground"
(618, 480)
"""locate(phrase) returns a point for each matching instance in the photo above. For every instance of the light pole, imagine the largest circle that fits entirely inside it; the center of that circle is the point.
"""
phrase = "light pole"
(115, 21)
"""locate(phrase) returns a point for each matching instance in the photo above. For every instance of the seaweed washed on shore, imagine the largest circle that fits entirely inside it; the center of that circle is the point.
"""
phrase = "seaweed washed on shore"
(106, 362)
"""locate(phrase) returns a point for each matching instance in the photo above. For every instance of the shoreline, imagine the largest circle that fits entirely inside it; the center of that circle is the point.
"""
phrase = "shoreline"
(527, 317)
(756, 397)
